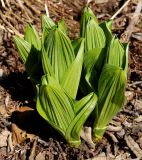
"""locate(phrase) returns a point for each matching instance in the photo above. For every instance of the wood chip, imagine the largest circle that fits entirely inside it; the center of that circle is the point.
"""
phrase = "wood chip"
(138, 119)
(41, 156)
(101, 156)
(113, 128)
(138, 104)
(133, 146)
(129, 95)
(112, 136)
(101, 1)
(3, 138)
(137, 36)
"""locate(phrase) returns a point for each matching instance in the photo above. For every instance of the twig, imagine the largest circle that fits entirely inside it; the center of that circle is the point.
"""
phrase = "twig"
(125, 4)
(46, 10)
(32, 155)
(61, 151)
(3, 4)
(113, 128)
(127, 34)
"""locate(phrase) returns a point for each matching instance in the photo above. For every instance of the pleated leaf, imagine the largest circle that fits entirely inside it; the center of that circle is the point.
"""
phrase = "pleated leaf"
(62, 112)
(59, 51)
(23, 48)
(93, 61)
(107, 26)
(94, 37)
(71, 78)
(32, 37)
(116, 54)
(111, 89)
(54, 105)
(83, 108)
(86, 16)
(46, 22)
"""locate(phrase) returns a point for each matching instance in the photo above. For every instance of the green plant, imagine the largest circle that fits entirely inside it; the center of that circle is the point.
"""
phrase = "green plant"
(105, 70)
(96, 64)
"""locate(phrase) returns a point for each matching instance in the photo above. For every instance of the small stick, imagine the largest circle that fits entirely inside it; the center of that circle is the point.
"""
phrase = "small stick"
(46, 10)
(124, 5)
(127, 34)
(3, 4)
(32, 155)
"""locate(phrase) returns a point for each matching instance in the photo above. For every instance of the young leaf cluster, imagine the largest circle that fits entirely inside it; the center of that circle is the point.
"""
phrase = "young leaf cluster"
(93, 67)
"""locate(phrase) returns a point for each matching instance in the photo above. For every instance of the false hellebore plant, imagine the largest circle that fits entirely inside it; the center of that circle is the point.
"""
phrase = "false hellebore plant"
(96, 65)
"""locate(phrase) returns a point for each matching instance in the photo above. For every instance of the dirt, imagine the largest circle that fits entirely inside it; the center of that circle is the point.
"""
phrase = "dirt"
(23, 133)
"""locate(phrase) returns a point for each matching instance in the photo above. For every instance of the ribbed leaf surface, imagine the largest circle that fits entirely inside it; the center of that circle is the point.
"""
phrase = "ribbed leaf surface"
(55, 106)
(116, 54)
(83, 108)
(86, 16)
(32, 37)
(94, 37)
(71, 78)
(23, 48)
(59, 51)
(111, 89)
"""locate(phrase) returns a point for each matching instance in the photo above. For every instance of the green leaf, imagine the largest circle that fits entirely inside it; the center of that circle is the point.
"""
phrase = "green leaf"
(46, 63)
(94, 37)
(116, 54)
(107, 26)
(46, 22)
(83, 108)
(62, 26)
(23, 48)
(71, 78)
(33, 65)
(111, 97)
(93, 61)
(86, 16)
(59, 51)
(54, 105)
(62, 112)
(32, 37)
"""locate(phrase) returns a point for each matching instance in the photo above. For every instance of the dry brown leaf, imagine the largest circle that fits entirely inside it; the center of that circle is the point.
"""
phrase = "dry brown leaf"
(25, 108)
(18, 135)
(133, 146)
